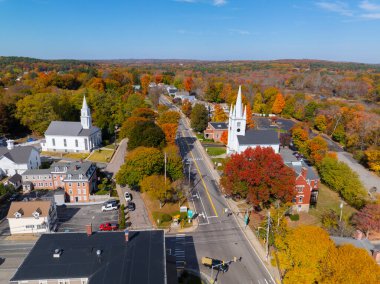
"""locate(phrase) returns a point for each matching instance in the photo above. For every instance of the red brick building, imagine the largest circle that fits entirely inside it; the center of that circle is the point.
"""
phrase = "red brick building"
(78, 179)
(215, 130)
(307, 182)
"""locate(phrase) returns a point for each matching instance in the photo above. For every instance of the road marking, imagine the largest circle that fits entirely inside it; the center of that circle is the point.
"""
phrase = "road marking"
(199, 172)
(266, 281)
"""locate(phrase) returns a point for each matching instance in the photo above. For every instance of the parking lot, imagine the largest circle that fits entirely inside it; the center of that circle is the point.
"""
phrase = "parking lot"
(75, 218)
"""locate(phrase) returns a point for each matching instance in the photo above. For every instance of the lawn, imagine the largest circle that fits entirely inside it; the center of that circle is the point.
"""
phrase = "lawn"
(101, 156)
(154, 210)
(215, 151)
(76, 156)
(216, 161)
(329, 199)
(110, 146)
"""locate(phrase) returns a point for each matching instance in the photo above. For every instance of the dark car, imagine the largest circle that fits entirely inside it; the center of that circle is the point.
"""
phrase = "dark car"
(131, 206)
(108, 227)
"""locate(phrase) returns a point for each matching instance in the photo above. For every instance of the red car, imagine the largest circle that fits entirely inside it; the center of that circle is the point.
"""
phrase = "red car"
(108, 227)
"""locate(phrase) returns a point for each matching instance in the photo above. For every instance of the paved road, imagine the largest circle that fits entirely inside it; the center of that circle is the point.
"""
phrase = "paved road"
(217, 236)
(118, 158)
(369, 180)
(12, 254)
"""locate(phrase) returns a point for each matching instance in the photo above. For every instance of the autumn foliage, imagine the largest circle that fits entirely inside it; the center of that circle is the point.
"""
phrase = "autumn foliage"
(368, 219)
(224, 137)
(250, 122)
(260, 175)
(170, 130)
(279, 104)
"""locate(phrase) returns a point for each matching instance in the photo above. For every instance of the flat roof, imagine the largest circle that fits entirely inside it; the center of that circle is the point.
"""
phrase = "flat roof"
(140, 260)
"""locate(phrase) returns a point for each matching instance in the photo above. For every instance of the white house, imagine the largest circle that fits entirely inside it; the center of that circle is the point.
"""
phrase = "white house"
(239, 139)
(32, 217)
(16, 160)
(68, 136)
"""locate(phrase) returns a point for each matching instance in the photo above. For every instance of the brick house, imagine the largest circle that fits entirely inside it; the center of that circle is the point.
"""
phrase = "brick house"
(307, 182)
(215, 130)
(78, 179)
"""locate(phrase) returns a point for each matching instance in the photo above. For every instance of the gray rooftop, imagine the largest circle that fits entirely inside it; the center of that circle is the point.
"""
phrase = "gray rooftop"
(37, 172)
(297, 167)
(19, 154)
(259, 137)
(15, 178)
(69, 128)
(219, 125)
(140, 260)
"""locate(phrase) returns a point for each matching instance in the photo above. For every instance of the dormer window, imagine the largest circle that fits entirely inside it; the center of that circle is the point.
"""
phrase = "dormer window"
(56, 169)
(80, 176)
(65, 168)
(69, 176)
(36, 215)
(18, 214)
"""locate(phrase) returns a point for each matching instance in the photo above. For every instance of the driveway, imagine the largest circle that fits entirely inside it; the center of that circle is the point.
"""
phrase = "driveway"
(369, 180)
(118, 158)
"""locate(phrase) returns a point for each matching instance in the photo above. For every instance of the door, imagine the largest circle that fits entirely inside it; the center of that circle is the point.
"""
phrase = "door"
(76, 199)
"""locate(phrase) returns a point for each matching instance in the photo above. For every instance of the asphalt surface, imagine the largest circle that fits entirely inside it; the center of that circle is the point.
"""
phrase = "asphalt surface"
(12, 254)
(218, 236)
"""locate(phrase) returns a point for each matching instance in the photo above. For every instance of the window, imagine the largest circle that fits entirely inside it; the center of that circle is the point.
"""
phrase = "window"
(84, 198)
(69, 176)
(63, 281)
(78, 184)
(42, 226)
(64, 143)
(300, 188)
(53, 140)
(76, 143)
(85, 144)
(79, 198)
(83, 184)
(70, 184)
(29, 227)
(238, 124)
(51, 184)
(80, 176)
(300, 199)
(79, 192)
(84, 191)
(70, 191)
(26, 177)
(42, 282)
(46, 184)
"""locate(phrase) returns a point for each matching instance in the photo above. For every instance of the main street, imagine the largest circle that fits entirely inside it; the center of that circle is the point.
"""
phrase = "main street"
(218, 235)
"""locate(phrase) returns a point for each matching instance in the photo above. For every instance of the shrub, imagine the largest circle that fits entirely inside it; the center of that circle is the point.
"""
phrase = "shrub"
(121, 217)
(294, 217)
(166, 218)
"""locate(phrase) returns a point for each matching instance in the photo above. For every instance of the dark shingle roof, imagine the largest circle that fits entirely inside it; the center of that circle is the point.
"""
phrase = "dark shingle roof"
(69, 128)
(15, 178)
(140, 260)
(259, 137)
(219, 125)
(297, 167)
(19, 154)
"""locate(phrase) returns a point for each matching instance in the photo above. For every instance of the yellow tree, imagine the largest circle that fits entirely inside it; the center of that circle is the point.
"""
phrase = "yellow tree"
(300, 253)
(317, 149)
(145, 80)
(250, 122)
(373, 159)
(347, 264)
(219, 114)
(157, 188)
(279, 104)
(170, 130)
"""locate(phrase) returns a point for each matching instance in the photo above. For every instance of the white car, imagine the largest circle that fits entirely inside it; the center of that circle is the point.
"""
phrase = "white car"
(109, 206)
(128, 197)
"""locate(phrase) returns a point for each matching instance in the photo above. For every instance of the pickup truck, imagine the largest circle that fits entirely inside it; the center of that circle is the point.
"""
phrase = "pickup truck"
(108, 227)
(215, 264)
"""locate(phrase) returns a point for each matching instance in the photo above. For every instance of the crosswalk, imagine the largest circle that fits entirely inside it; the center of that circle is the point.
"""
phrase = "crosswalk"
(179, 253)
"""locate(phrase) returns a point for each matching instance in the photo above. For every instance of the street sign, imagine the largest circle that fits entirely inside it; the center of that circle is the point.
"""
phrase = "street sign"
(190, 214)
(183, 209)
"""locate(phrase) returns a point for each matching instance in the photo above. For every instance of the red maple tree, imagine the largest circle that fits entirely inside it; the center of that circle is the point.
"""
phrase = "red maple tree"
(260, 175)
(368, 219)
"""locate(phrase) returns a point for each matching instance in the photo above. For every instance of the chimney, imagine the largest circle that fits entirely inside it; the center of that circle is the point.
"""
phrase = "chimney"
(89, 229)
(10, 144)
(126, 234)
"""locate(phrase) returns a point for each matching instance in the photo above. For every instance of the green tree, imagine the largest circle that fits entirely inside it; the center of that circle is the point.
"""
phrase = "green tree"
(144, 112)
(37, 111)
(129, 124)
(174, 165)
(310, 110)
(320, 123)
(141, 162)
(169, 116)
(339, 177)
(199, 118)
(134, 101)
(146, 134)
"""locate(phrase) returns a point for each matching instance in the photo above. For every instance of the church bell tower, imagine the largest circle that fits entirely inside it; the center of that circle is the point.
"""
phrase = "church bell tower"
(85, 115)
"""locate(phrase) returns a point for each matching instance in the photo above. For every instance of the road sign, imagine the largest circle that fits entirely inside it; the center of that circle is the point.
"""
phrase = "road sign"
(183, 209)
(190, 214)
(246, 219)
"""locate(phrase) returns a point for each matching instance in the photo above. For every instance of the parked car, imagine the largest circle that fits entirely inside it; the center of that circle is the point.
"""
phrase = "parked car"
(215, 264)
(108, 227)
(110, 205)
(128, 196)
(131, 206)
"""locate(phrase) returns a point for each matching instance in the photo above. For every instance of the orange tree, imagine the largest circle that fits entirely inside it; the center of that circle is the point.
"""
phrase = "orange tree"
(316, 149)
(260, 175)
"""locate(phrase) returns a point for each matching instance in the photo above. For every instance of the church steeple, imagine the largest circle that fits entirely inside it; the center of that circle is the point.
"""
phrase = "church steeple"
(85, 117)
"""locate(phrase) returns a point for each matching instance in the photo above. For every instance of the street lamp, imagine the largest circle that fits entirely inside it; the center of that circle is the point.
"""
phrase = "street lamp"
(341, 210)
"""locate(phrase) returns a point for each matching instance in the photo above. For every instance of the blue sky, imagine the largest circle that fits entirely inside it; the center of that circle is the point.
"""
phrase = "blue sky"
(191, 29)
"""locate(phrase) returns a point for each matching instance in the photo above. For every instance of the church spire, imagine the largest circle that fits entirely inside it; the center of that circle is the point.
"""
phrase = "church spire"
(85, 117)
(239, 104)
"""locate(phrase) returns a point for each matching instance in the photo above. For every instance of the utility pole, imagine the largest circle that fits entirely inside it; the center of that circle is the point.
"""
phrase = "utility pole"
(165, 167)
(267, 245)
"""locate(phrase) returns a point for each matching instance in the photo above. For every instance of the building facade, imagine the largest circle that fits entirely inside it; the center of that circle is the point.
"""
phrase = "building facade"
(32, 217)
(239, 139)
(68, 136)
(18, 159)
(78, 179)
(215, 130)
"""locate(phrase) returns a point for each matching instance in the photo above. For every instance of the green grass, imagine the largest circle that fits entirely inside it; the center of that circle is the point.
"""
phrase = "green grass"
(101, 156)
(219, 160)
(215, 151)
(327, 200)
(110, 146)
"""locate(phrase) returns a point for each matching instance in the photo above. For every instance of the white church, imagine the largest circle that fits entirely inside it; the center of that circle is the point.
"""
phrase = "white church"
(69, 136)
(239, 139)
